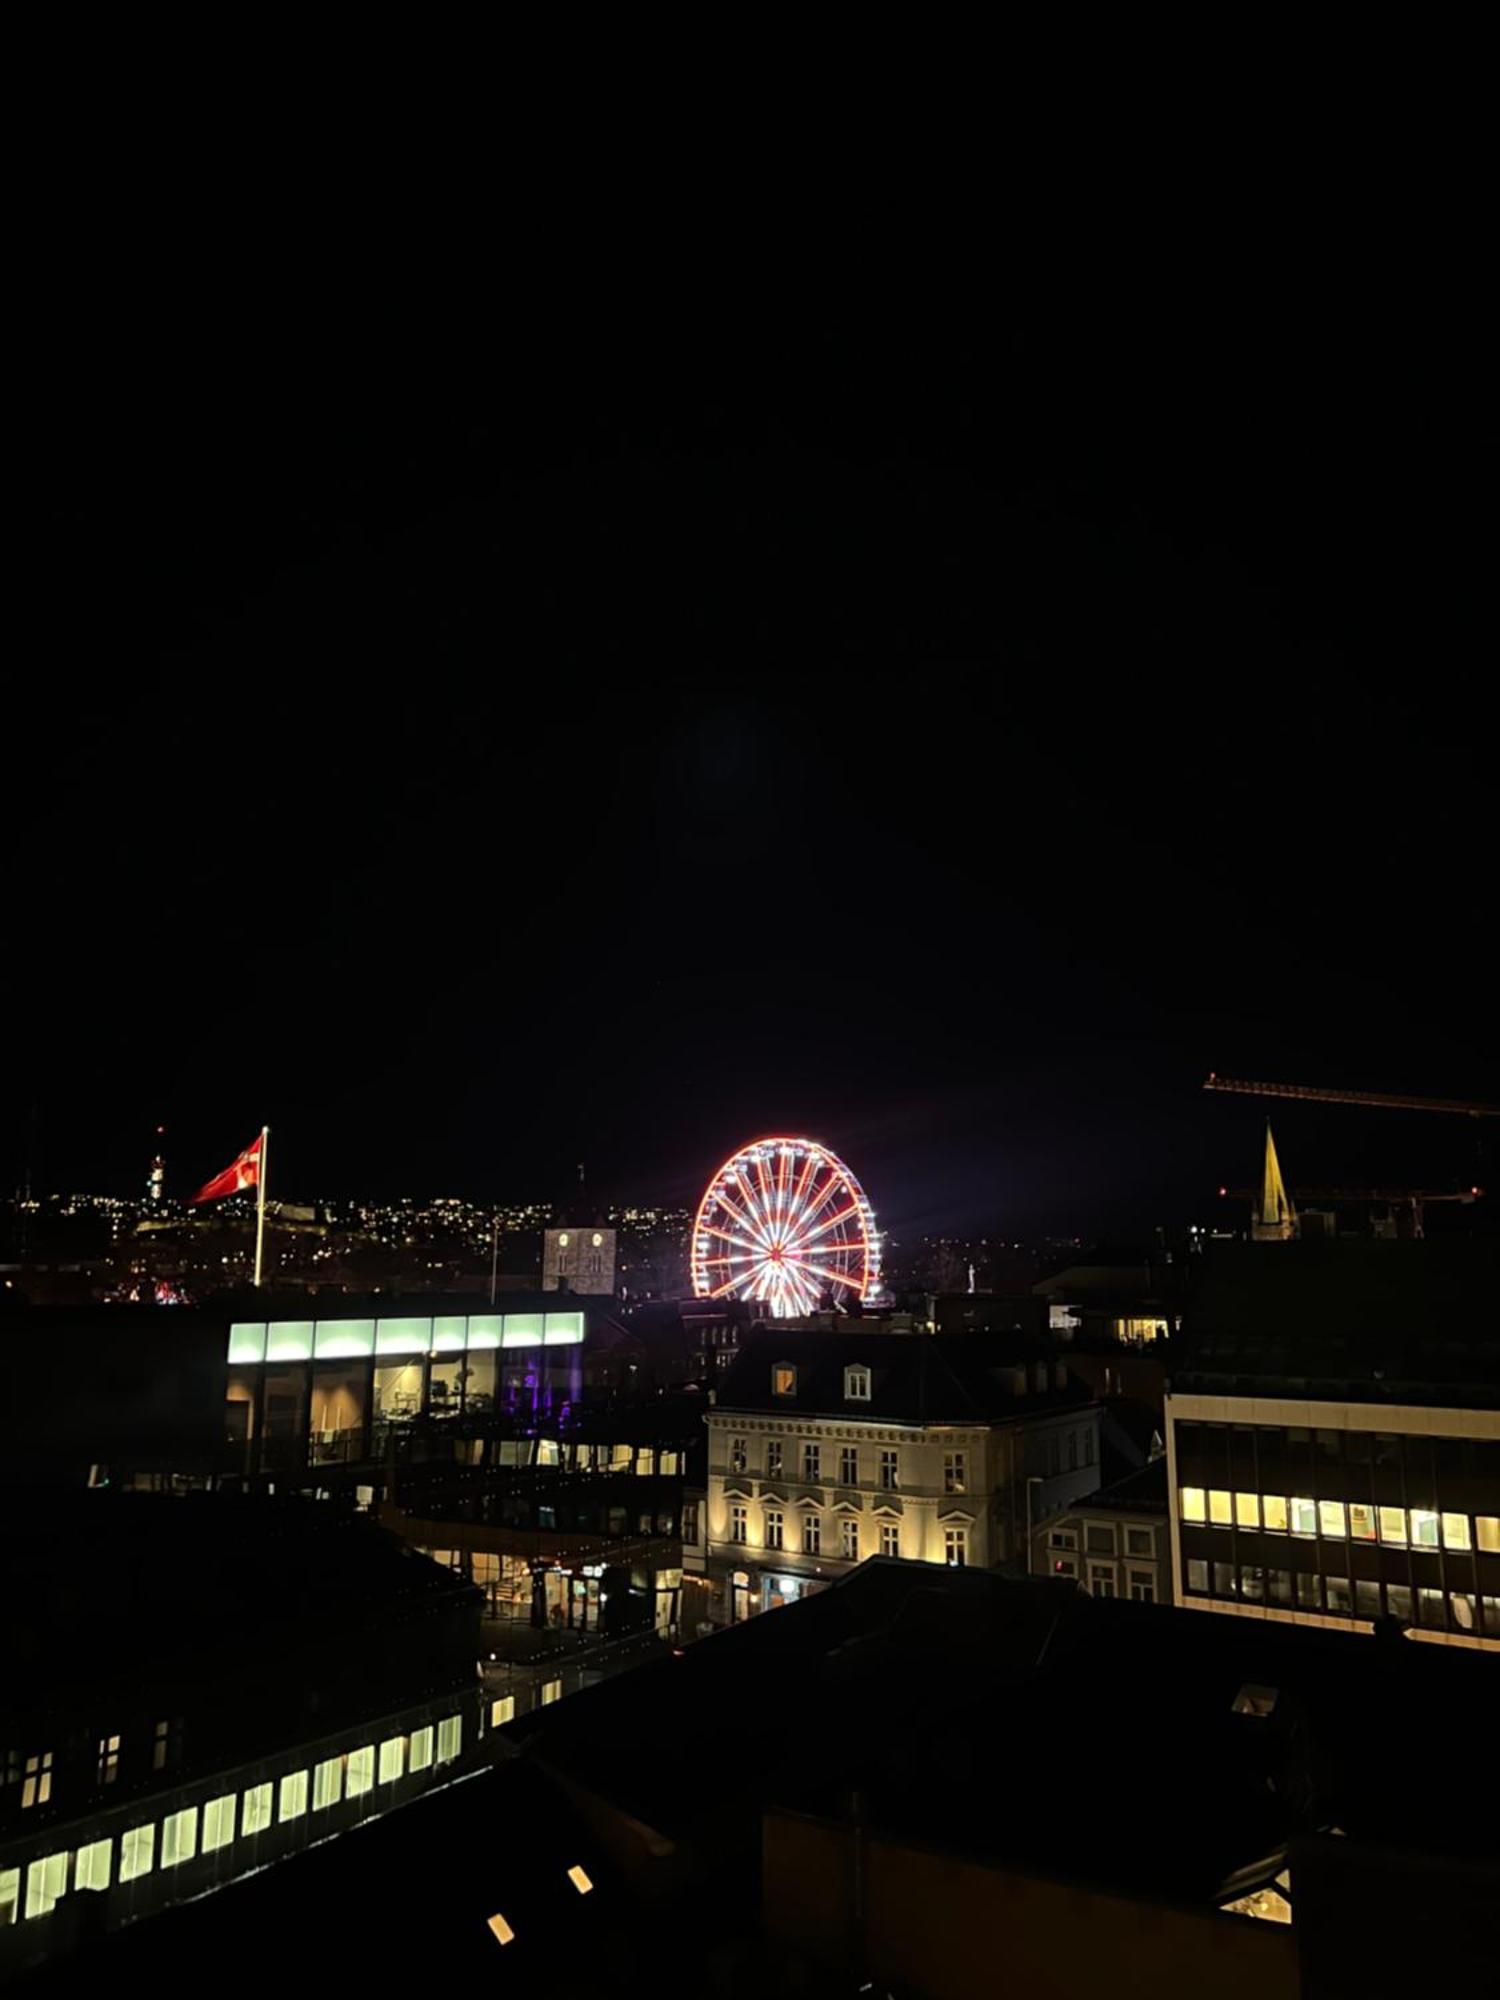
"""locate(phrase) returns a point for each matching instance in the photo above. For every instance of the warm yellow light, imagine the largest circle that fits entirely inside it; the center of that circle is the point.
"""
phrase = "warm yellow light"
(579, 1878)
(503, 1932)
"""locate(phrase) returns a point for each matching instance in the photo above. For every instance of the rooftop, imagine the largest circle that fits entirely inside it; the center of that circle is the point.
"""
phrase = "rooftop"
(937, 1379)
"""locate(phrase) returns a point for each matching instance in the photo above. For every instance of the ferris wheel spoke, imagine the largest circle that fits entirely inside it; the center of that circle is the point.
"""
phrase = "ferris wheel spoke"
(812, 1235)
(743, 1220)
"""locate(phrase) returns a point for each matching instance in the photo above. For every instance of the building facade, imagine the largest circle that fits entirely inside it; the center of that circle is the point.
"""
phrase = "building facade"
(579, 1259)
(1333, 1439)
(1114, 1542)
(826, 1449)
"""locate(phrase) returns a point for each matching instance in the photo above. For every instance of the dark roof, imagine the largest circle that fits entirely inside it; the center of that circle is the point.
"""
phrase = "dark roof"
(1363, 1320)
(415, 1890)
(1143, 1491)
(935, 1692)
(914, 1378)
(102, 1587)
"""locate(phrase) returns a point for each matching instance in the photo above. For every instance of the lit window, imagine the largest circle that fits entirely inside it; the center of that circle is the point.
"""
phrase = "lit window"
(257, 1814)
(109, 1759)
(596, 1240)
(218, 1822)
(775, 1528)
(1424, 1529)
(1220, 1508)
(392, 1759)
(890, 1473)
(563, 1240)
(954, 1471)
(956, 1547)
(179, 1837)
(1304, 1516)
(138, 1851)
(890, 1539)
(1393, 1525)
(502, 1710)
(856, 1385)
(551, 1691)
(1194, 1503)
(1269, 1905)
(359, 1772)
(36, 1783)
(812, 1534)
(46, 1881)
(1331, 1518)
(92, 1869)
(502, 1931)
(1463, 1607)
(165, 1745)
(739, 1524)
(1247, 1510)
(1456, 1531)
(1273, 1513)
(580, 1880)
(450, 1736)
(1361, 1521)
(291, 1798)
(849, 1540)
(1487, 1527)
(1253, 1699)
(328, 1783)
(783, 1379)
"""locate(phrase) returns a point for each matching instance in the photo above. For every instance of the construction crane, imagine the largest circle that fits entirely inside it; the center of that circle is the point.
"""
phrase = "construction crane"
(1384, 1099)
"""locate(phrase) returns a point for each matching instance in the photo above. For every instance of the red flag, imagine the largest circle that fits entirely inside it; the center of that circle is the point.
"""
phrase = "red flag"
(245, 1173)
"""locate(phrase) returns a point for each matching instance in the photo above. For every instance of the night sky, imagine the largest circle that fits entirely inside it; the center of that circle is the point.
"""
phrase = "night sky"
(950, 737)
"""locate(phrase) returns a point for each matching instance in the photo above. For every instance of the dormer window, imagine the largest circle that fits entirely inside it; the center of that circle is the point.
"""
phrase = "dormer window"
(783, 1378)
(856, 1385)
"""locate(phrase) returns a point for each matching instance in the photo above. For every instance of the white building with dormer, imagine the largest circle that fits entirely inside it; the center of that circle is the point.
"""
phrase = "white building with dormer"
(827, 1448)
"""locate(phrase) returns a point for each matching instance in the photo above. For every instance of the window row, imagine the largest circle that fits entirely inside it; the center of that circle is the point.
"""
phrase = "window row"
(194, 1830)
(955, 1539)
(888, 1465)
(353, 1339)
(1339, 1520)
(1102, 1580)
(1453, 1610)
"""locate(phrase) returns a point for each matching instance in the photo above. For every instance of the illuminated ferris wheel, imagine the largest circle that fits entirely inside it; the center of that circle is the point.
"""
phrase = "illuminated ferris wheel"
(784, 1223)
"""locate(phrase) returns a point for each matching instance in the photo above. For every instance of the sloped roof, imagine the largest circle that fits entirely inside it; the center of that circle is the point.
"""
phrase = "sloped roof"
(914, 1378)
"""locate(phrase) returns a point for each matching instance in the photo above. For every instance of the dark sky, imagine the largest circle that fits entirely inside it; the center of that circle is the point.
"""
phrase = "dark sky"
(949, 734)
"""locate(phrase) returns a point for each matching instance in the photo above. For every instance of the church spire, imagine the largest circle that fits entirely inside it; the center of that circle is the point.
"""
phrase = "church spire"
(1275, 1220)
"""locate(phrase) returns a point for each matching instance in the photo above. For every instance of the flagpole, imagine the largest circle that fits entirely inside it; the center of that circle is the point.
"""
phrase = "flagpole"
(260, 1201)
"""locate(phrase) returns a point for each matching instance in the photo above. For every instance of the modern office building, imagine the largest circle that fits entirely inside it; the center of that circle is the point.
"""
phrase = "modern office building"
(828, 1448)
(1333, 1437)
